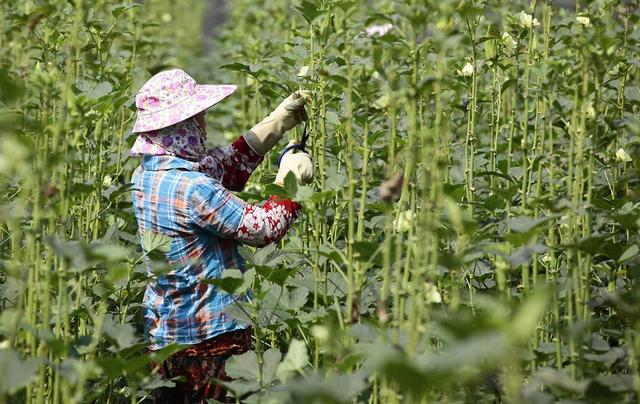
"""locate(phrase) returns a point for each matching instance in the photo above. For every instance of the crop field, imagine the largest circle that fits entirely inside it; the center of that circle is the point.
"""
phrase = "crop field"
(472, 233)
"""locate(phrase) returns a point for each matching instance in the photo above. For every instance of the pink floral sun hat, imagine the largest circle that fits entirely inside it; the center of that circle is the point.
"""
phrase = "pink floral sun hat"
(172, 96)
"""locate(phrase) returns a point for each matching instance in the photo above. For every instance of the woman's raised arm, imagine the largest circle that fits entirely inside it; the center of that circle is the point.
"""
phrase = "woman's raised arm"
(216, 210)
(231, 165)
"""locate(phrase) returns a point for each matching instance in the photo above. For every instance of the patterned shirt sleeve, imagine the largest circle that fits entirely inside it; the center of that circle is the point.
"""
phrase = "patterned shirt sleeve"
(231, 165)
(268, 224)
(215, 209)
(218, 211)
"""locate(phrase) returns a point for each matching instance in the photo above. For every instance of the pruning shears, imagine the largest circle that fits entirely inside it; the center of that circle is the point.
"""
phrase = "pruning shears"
(296, 146)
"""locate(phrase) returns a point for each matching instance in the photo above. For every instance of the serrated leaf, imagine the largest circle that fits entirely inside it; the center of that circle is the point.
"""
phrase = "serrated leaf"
(15, 373)
(271, 359)
(295, 299)
(155, 241)
(229, 282)
(100, 90)
(308, 10)
(294, 362)
(304, 193)
(124, 335)
(243, 366)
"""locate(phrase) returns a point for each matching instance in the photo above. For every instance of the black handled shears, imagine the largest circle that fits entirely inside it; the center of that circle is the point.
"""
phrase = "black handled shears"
(296, 146)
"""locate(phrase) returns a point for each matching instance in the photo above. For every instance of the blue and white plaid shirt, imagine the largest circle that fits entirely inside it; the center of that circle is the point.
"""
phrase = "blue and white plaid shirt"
(205, 223)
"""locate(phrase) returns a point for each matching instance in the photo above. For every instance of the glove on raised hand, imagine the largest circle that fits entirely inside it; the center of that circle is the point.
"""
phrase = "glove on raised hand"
(297, 162)
(262, 137)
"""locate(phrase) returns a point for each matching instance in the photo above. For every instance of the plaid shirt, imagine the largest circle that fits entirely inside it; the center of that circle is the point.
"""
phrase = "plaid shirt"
(190, 203)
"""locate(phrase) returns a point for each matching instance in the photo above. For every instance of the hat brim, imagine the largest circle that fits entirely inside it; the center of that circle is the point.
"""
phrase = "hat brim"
(204, 97)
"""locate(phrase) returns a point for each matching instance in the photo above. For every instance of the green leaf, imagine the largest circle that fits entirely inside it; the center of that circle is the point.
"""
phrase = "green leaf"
(119, 10)
(271, 359)
(304, 193)
(559, 380)
(11, 88)
(266, 256)
(74, 370)
(243, 366)
(124, 335)
(75, 251)
(110, 252)
(382, 102)
(523, 255)
(237, 313)
(524, 224)
(290, 185)
(15, 373)
(268, 397)
(156, 241)
(240, 388)
(609, 388)
(334, 388)
(163, 354)
(294, 362)
(494, 174)
(100, 90)
(368, 251)
(529, 314)
(276, 190)
(277, 276)
(294, 300)
(629, 253)
(308, 10)
(237, 67)
(230, 281)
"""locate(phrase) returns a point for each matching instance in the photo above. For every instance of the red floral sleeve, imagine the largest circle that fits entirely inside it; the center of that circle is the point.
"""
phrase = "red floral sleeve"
(264, 225)
(260, 225)
(231, 165)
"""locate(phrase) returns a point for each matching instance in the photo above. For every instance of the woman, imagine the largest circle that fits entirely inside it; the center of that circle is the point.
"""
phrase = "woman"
(181, 191)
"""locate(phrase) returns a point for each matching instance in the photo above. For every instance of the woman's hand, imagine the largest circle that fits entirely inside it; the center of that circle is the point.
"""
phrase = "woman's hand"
(265, 135)
(297, 162)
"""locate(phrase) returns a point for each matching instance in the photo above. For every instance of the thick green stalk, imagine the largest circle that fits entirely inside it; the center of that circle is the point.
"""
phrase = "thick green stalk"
(472, 109)
(525, 122)
(351, 181)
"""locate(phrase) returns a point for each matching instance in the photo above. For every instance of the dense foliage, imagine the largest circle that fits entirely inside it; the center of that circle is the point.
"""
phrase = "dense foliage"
(505, 270)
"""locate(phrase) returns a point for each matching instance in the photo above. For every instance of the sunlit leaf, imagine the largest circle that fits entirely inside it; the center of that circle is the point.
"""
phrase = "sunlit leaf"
(294, 361)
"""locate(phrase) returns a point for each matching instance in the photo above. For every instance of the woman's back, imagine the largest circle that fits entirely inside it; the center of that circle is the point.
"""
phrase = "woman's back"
(195, 212)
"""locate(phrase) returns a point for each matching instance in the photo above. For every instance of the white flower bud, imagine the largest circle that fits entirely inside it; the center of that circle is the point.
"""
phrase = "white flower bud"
(431, 293)
(304, 72)
(320, 332)
(404, 221)
(590, 112)
(623, 156)
(527, 20)
(466, 71)
(584, 21)
(379, 29)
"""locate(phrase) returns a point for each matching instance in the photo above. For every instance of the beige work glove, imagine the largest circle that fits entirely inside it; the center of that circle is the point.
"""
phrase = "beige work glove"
(262, 137)
(297, 162)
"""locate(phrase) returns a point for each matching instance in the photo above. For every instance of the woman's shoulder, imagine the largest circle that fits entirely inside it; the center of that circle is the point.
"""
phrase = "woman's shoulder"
(202, 180)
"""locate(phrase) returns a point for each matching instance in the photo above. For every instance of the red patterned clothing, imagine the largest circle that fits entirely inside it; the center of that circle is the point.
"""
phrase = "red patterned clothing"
(199, 365)
(204, 223)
